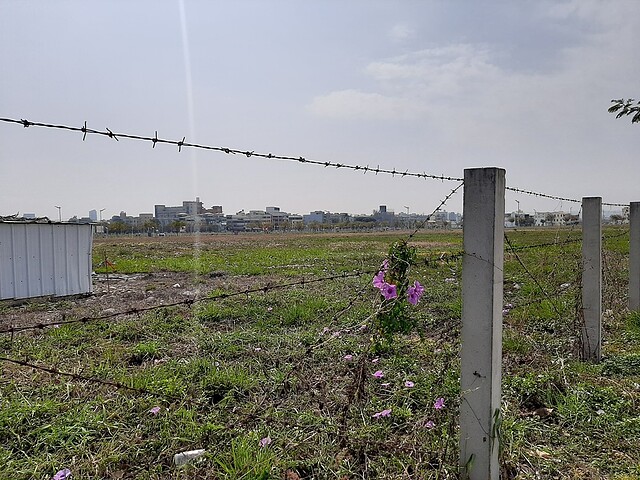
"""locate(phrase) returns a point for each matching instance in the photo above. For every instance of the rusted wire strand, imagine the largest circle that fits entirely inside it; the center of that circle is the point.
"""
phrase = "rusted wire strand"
(191, 301)
(75, 376)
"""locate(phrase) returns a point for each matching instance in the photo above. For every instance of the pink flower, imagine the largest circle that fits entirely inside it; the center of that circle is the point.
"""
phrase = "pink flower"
(375, 360)
(378, 374)
(62, 475)
(415, 292)
(409, 384)
(383, 413)
(389, 291)
(430, 424)
(155, 410)
(265, 441)
(412, 297)
(385, 264)
(378, 280)
(348, 358)
(439, 404)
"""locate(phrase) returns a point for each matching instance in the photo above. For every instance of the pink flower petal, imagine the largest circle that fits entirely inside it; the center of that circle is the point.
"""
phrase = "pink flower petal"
(62, 475)
(383, 413)
(155, 410)
(348, 358)
(265, 441)
(378, 374)
(378, 280)
(389, 291)
(409, 384)
(439, 404)
(430, 424)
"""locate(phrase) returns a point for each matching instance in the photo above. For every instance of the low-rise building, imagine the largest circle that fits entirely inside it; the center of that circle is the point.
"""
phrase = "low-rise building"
(550, 219)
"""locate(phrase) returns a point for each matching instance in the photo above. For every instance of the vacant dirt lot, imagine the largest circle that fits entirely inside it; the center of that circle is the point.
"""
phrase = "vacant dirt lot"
(117, 293)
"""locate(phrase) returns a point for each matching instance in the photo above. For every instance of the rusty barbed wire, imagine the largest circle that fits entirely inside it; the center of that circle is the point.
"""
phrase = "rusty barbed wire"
(554, 197)
(443, 257)
(442, 203)
(135, 311)
(75, 376)
(251, 153)
(518, 248)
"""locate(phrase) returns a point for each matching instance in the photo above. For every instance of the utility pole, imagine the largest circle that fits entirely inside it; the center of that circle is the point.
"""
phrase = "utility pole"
(59, 213)
(101, 210)
(518, 214)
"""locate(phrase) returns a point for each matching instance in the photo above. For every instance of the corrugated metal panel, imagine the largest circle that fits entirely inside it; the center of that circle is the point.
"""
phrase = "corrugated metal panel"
(38, 259)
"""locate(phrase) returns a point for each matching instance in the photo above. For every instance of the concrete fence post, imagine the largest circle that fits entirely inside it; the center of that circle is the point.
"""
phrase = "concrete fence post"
(634, 256)
(591, 331)
(482, 302)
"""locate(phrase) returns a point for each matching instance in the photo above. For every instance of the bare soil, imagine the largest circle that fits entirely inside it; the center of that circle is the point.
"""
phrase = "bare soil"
(111, 294)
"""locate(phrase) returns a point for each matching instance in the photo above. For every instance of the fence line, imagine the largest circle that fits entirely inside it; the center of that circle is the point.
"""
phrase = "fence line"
(75, 376)
(528, 272)
(139, 390)
(473, 426)
(133, 311)
(233, 151)
(422, 224)
(251, 153)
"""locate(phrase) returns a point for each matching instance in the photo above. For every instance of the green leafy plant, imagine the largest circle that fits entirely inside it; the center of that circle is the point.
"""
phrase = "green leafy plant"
(397, 294)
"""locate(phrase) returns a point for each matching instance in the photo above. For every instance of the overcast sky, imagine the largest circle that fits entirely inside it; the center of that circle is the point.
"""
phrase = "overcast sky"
(424, 86)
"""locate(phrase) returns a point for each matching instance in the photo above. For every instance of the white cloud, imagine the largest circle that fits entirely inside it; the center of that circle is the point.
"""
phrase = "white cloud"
(442, 71)
(401, 32)
(354, 104)
(412, 84)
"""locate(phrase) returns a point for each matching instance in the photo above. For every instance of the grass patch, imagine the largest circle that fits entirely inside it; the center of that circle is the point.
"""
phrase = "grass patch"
(295, 365)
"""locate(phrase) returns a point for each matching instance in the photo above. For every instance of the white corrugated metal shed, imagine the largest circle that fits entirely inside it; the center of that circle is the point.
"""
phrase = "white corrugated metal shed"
(38, 259)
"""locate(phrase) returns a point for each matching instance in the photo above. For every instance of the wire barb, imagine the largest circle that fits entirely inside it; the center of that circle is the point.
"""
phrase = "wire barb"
(112, 135)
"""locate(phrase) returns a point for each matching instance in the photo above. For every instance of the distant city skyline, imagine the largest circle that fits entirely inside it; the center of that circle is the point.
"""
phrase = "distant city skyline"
(573, 209)
(108, 214)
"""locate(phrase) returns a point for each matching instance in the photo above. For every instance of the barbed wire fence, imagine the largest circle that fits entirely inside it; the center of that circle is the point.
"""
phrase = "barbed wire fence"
(108, 133)
(444, 257)
(452, 258)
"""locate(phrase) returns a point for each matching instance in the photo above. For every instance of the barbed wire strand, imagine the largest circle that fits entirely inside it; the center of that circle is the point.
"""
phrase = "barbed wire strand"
(554, 197)
(233, 151)
(75, 376)
(535, 280)
(190, 301)
(251, 153)
(422, 224)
